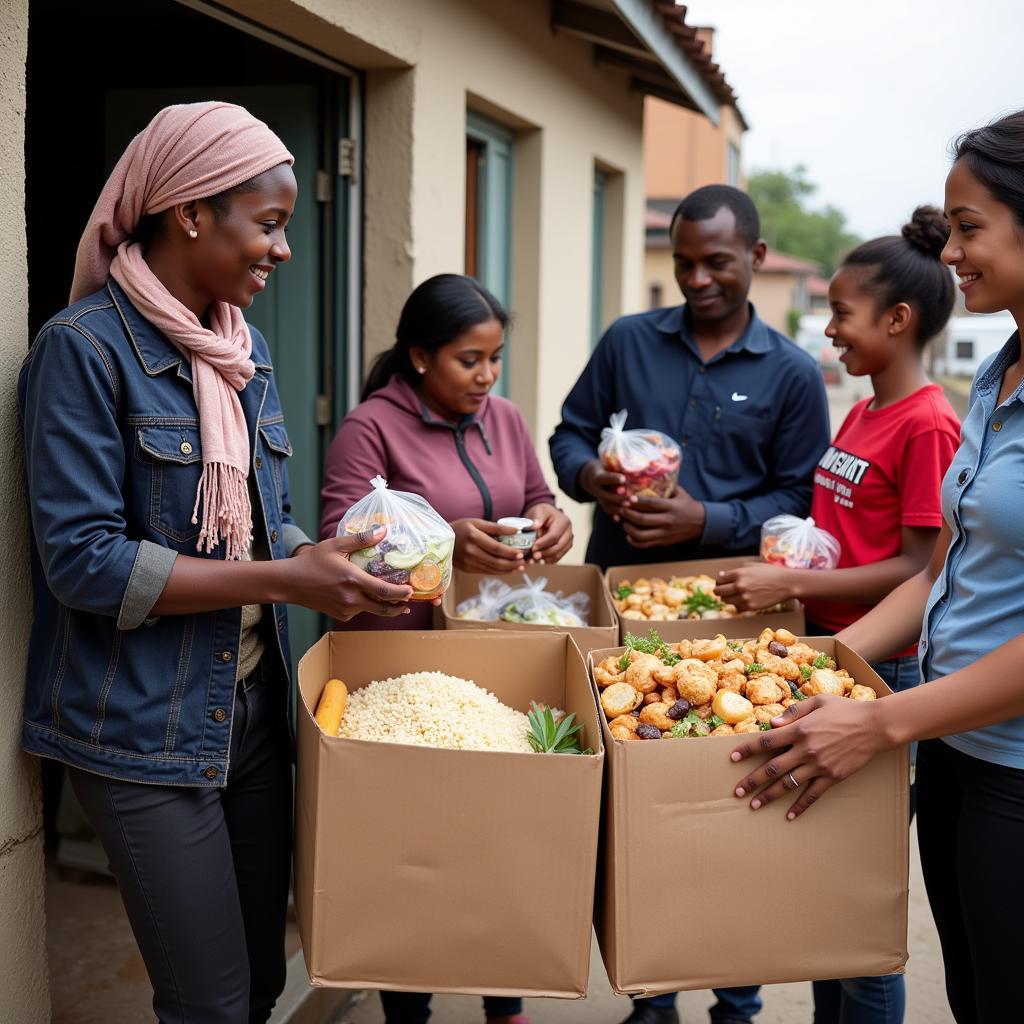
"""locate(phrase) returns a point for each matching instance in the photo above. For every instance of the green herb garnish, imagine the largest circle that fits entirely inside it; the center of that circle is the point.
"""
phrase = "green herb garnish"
(753, 668)
(822, 661)
(691, 725)
(805, 671)
(713, 722)
(765, 726)
(549, 736)
(623, 591)
(797, 695)
(734, 645)
(698, 602)
(651, 644)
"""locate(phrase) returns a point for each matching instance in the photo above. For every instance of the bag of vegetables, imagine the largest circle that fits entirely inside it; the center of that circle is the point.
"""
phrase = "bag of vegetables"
(534, 605)
(648, 459)
(798, 544)
(484, 606)
(417, 549)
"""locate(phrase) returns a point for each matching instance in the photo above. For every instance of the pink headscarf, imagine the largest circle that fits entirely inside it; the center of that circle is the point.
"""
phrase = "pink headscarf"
(187, 152)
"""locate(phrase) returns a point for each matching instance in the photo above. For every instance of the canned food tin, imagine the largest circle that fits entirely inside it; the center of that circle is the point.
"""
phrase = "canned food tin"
(524, 536)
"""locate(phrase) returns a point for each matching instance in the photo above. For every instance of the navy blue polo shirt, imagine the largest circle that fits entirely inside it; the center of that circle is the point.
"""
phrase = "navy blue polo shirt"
(752, 423)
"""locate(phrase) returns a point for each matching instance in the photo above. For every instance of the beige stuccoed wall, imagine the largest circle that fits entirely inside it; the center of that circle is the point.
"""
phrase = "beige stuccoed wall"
(24, 994)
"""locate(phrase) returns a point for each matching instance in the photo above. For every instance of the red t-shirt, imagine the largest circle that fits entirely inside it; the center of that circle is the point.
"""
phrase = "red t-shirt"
(882, 472)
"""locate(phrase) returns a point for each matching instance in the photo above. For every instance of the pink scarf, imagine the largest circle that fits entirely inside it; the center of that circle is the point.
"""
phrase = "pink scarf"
(188, 152)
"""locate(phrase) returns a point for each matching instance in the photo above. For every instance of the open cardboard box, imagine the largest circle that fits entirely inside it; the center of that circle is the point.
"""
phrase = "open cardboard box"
(427, 870)
(603, 628)
(698, 891)
(692, 629)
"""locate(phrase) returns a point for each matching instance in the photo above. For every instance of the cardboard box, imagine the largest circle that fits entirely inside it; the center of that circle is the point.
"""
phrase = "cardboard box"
(427, 870)
(821, 897)
(691, 629)
(603, 630)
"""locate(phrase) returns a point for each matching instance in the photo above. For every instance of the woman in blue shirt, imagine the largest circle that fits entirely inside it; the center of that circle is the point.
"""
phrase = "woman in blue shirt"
(970, 713)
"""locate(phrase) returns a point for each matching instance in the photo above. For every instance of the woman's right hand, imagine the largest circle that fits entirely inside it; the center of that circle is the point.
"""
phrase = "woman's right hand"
(321, 577)
(606, 488)
(477, 548)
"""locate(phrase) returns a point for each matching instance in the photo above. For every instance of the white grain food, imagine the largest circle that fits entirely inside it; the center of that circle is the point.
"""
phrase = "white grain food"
(431, 709)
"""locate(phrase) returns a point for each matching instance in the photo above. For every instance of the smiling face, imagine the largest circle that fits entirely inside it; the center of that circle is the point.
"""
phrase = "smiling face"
(986, 245)
(458, 376)
(714, 265)
(868, 339)
(241, 239)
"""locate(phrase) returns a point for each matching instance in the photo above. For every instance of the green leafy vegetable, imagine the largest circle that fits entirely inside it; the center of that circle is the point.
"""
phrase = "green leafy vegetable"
(651, 644)
(735, 645)
(698, 602)
(754, 668)
(549, 736)
(713, 722)
(805, 671)
(691, 725)
(623, 591)
(765, 726)
(822, 661)
(797, 695)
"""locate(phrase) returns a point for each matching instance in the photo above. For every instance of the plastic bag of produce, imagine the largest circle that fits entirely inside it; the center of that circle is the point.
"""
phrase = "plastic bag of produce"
(417, 549)
(484, 606)
(648, 459)
(533, 604)
(798, 544)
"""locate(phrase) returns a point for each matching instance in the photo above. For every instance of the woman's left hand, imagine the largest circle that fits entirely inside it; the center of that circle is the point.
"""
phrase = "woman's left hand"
(824, 740)
(554, 533)
(755, 586)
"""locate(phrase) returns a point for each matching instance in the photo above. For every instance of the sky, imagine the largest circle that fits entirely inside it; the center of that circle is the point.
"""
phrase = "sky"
(867, 95)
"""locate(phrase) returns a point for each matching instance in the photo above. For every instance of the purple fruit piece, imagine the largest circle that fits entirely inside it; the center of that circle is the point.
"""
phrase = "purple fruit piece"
(400, 577)
(378, 567)
(648, 732)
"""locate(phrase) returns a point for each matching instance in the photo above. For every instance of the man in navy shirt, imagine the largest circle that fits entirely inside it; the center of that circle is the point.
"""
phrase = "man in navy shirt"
(746, 406)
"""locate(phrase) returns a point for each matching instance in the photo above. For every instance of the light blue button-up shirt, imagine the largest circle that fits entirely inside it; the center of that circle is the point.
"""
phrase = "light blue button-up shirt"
(977, 602)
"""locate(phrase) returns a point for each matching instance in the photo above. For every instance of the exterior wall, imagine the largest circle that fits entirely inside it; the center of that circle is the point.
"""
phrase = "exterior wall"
(24, 994)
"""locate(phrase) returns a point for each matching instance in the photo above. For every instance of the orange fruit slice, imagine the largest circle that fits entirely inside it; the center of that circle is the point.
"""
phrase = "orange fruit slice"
(425, 576)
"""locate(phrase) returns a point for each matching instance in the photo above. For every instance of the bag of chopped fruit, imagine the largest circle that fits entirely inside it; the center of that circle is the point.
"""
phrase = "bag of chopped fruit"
(486, 605)
(798, 544)
(533, 604)
(648, 459)
(417, 549)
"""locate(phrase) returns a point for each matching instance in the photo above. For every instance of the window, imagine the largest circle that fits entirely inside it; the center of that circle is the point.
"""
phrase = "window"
(965, 350)
(597, 259)
(657, 296)
(489, 151)
(733, 165)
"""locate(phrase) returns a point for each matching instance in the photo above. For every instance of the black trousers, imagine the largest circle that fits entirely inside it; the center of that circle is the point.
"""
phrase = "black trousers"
(970, 823)
(204, 872)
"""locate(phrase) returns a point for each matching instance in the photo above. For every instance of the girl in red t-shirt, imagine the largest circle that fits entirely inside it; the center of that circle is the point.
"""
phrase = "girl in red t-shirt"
(876, 488)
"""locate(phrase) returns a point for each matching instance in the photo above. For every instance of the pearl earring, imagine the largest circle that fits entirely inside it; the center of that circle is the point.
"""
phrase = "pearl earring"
(421, 369)
(192, 233)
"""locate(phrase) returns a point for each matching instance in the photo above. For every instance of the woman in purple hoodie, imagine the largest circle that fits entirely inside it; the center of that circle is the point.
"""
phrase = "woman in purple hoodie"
(427, 423)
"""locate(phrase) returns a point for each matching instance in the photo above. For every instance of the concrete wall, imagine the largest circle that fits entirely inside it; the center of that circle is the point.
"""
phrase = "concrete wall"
(24, 994)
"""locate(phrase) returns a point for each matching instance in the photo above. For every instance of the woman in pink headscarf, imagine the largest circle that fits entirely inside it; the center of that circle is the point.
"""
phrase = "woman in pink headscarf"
(164, 553)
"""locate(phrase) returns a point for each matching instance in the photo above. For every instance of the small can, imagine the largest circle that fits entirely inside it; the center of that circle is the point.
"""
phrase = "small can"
(524, 536)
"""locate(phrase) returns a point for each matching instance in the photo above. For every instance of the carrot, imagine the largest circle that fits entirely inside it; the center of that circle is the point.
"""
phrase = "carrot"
(425, 576)
(331, 706)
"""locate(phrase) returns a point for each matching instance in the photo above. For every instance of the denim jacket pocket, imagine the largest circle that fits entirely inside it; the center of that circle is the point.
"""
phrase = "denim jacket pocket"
(174, 456)
(275, 438)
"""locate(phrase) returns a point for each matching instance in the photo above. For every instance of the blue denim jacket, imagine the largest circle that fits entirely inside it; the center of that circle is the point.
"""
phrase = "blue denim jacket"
(113, 456)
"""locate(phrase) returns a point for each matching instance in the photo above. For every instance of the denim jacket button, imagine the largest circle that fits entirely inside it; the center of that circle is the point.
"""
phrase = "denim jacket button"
(257, 462)
(274, 536)
(219, 714)
(226, 656)
(962, 478)
(211, 772)
(186, 448)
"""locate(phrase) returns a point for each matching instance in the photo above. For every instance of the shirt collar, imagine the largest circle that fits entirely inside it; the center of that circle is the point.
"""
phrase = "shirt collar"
(991, 380)
(755, 339)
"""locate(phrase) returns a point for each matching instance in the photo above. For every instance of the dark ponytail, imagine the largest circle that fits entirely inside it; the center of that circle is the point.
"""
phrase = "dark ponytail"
(906, 268)
(994, 154)
(436, 313)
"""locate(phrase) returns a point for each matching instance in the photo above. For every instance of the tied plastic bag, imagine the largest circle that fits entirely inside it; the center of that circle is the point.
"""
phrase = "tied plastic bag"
(648, 459)
(417, 549)
(485, 606)
(798, 544)
(534, 605)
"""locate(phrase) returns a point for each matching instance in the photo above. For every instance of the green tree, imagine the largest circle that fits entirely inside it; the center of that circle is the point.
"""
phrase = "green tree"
(782, 199)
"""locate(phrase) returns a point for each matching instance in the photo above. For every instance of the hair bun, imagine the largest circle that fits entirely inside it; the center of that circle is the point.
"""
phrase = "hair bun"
(927, 231)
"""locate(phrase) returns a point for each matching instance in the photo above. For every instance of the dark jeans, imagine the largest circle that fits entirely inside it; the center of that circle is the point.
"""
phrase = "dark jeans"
(414, 1007)
(204, 872)
(734, 1004)
(970, 825)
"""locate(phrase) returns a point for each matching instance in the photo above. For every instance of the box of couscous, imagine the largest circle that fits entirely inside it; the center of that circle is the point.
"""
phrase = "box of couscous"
(678, 599)
(699, 891)
(447, 820)
(601, 628)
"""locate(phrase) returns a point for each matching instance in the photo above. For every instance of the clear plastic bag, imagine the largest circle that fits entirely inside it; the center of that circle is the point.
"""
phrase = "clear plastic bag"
(417, 549)
(798, 544)
(484, 606)
(534, 605)
(648, 459)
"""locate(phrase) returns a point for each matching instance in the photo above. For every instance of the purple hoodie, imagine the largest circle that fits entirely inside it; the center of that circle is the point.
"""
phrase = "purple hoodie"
(484, 468)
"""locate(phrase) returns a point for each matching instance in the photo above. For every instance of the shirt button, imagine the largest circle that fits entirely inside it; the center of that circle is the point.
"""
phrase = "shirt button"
(273, 535)
(212, 772)
(186, 448)
(226, 656)
(219, 714)
(693, 403)
(257, 462)
(962, 478)
(997, 426)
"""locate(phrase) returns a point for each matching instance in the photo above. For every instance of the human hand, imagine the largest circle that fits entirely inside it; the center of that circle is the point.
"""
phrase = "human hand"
(606, 488)
(324, 579)
(554, 533)
(658, 522)
(819, 742)
(754, 586)
(477, 548)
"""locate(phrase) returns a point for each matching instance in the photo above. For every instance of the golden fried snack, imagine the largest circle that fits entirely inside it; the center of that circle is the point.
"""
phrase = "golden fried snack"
(823, 680)
(694, 681)
(656, 715)
(767, 689)
(634, 613)
(847, 680)
(640, 675)
(604, 676)
(629, 722)
(766, 712)
(788, 702)
(731, 707)
(860, 692)
(733, 681)
(709, 650)
(801, 654)
(669, 695)
(704, 711)
(766, 637)
(684, 648)
(722, 730)
(652, 698)
(747, 725)
(785, 637)
(620, 699)
(620, 732)
(665, 675)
